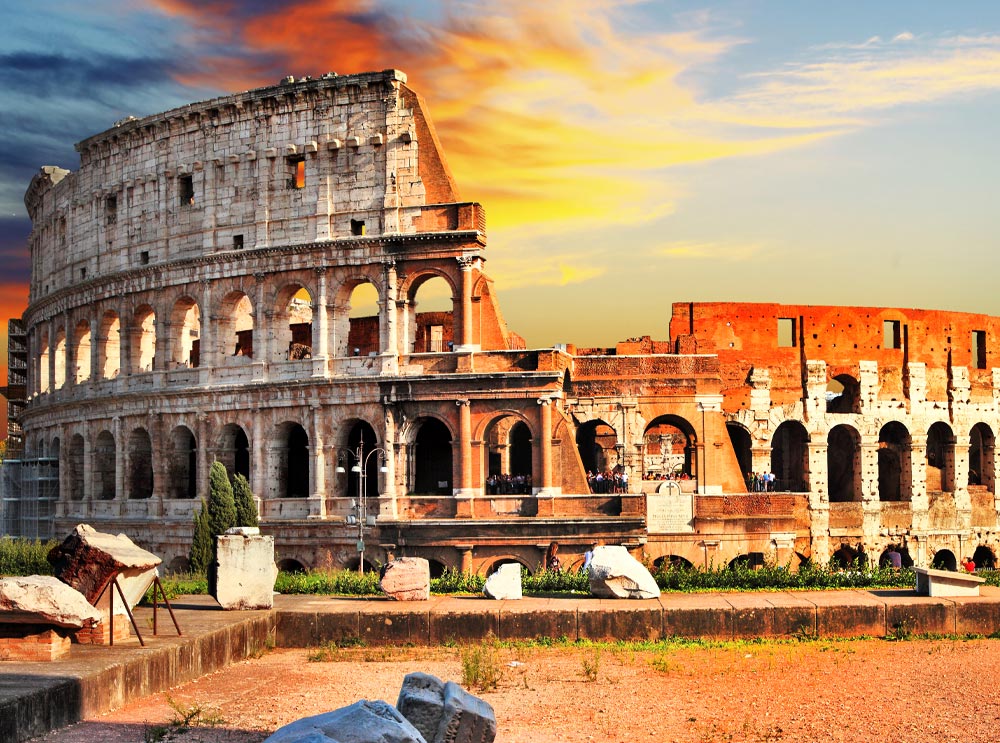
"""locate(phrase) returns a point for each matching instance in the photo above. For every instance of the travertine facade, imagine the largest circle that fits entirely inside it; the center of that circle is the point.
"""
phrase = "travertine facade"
(191, 300)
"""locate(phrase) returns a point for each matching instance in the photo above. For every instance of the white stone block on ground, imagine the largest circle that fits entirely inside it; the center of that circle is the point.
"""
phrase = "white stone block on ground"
(445, 712)
(505, 583)
(615, 574)
(362, 722)
(88, 560)
(932, 582)
(43, 599)
(245, 571)
(407, 579)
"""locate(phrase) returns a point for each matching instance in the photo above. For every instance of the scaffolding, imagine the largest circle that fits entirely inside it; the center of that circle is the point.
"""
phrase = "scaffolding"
(29, 489)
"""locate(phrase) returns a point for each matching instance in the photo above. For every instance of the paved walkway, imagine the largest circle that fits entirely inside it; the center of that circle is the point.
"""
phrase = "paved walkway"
(91, 680)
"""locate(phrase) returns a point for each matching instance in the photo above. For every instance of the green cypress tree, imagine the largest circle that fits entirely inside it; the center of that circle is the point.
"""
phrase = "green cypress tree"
(202, 541)
(221, 506)
(246, 507)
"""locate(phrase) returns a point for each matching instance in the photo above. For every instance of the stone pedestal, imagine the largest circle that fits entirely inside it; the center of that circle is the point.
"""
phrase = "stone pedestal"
(244, 569)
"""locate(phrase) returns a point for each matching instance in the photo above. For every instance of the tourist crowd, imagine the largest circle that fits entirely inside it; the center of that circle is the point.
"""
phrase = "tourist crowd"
(508, 484)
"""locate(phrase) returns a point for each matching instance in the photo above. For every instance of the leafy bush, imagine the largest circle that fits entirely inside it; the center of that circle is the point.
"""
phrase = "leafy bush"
(555, 581)
(455, 581)
(25, 556)
(221, 505)
(335, 582)
(246, 506)
(742, 577)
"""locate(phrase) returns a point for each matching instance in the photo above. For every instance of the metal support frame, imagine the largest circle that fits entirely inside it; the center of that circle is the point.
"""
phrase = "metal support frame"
(111, 609)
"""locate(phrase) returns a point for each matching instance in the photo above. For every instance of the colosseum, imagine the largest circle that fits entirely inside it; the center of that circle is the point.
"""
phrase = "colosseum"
(197, 294)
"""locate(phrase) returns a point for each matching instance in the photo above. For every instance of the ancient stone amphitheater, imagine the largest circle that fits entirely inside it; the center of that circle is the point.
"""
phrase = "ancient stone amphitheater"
(198, 293)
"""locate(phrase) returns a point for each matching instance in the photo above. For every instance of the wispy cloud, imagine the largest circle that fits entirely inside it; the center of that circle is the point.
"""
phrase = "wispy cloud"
(720, 251)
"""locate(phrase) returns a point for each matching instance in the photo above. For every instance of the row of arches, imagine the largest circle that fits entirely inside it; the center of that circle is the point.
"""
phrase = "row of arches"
(940, 460)
(146, 340)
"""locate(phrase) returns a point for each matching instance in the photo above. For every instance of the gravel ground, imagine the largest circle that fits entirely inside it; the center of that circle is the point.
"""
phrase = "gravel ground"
(856, 690)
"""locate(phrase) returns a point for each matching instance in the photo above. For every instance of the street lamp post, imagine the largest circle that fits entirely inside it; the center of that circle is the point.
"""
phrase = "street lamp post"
(360, 505)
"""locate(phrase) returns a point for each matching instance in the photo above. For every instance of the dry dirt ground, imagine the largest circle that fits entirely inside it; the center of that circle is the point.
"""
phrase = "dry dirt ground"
(858, 690)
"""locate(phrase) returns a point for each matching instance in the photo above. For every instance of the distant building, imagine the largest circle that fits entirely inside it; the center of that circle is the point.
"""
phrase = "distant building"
(191, 300)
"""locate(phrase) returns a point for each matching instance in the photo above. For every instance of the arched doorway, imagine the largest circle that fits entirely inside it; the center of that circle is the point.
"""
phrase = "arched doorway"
(140, 465)
(944, 560)
(361, 440)
(432, 307)
(293, 315)
(235, 327)
(104, 466)
(984, 558)
(597, 443)
(432, 459)
(183, 475)
(185, 331)
(739, 437)
(843, 456)
(75, 463)
(790, 457)
(234, 450)
(670, 448)
(357, 326)
(982, 444)
(843, 395)
(894, 471)
(508, 456)
(940, 458)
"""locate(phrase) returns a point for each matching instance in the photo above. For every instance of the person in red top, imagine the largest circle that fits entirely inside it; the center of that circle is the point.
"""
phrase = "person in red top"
(969, 565)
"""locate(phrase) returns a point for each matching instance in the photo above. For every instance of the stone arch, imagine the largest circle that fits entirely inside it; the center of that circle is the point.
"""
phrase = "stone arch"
(360, 440)
(142, 339)
(597, 444)
(182, 477)
(742, 444)
(843, 462)
(508, 453)
(236, 326)
(140, 465)
(984, 558)
(75, 467)
(291, 460)
(293, 322)
(495, 564)
(43, 362)
(233, 450)
(179, 564)
(59, 359)
(672, 562)
(790, 456)
(291, 565)
(109, 349)
(894, 469)
(104, 466)
(431, 460)
(672, 440)
(944, 559)
(940, 458)
(81, 352)
(843, 395)
(356, 331)
(982, 446)
(185, 333)
(431, 324)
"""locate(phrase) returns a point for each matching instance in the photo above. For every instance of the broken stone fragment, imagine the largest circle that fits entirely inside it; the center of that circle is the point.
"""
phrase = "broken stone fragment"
(88, 560)
(445, 712)
(505, 583)
(615, 574)
(43, 599)
(362, 722)
(244, 571)
(407, 579)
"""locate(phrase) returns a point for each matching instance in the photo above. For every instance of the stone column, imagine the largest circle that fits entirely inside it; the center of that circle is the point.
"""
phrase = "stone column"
(871, 506)
(124, 342)
(262, 323)
(388, 507)
(258, 467)
(160, 451)
(545, 444)
(819, 501)
(317, 498)
(52, 355)
(466, 264)
(208, 353)
(201, 463)
(88, 468)
(389, 343)
(321, 326)
(463, 492)
(120, 447)
(919, 502)
(963, 500)
(96, 373)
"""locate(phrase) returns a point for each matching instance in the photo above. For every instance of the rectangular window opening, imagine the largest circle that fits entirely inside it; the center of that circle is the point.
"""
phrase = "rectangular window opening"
(357, 226)
(237, 242)
(144, 257)
(111, 209)
(185, 186)
(83, 273)
(979, 348)
(786, 332)
(297, 172)
(891, 337)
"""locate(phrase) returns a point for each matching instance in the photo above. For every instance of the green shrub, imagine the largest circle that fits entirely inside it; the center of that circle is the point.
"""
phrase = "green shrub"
(246, 506)
(25, 556)
(742, 577)
(202, 541)
(221, 506)
(333, 582)
(482, 668)
(455, 581)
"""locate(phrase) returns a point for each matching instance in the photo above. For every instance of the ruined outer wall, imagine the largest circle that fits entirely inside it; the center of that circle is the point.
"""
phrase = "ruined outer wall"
(745, 336)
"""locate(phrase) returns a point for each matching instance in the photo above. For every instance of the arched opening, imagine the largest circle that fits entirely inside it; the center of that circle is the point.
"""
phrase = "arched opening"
(437, 568)
(739, 437)
(104, 466)
(140, 465)
(597, 443)
(670, 448)
(944, 560)
(982, 445)
(75, 464)
(894, 463)
(288, 565)
(236, 325)
(109, 351)
(179, 564)
(357, 327)
(81, 346)
(790, 457)
(508, 460)
(183, 475)
(749, 561)
(293, 461)
(672, 562)
(984, 558)
(354, 564)
(293, 330)
(43, 363)
(362, 441)
(234, 450)
(185, 326)
(843, 395)
(143, 339)
(843, 456)
(432, 308)
(940, 459)
(848, 557)
(497, 564)
(59, 380)
(432, 459)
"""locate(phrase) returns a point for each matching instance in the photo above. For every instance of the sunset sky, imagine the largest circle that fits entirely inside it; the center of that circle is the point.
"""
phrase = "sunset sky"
(629, 154)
